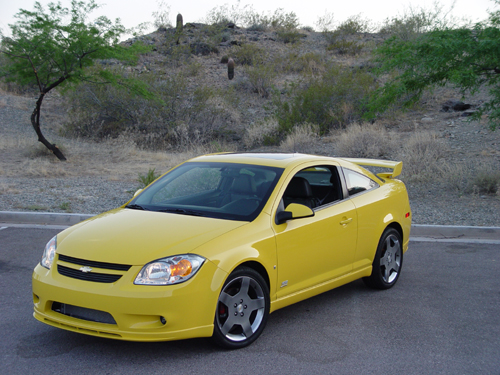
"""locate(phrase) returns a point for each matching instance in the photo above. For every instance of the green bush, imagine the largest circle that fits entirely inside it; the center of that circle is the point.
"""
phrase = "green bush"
(145, 180)
(247, 54)
(331, 101)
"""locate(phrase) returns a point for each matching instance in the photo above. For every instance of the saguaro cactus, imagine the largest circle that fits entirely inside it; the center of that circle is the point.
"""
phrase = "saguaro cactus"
(230, 68)
(178, 28)
(179, 23)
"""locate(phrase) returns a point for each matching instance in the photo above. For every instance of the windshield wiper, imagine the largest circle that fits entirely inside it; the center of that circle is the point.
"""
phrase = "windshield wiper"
(135, 207)
(181, 211)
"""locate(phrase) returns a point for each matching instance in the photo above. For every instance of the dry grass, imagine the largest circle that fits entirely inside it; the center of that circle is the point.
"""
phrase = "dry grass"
(260, 133)
(473, 177)
(423, 157)
(117, 159)
(302, 139)
(8, 189)
(365, 141)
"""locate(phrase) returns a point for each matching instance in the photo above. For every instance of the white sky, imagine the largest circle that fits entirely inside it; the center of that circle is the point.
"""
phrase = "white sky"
(134, 12)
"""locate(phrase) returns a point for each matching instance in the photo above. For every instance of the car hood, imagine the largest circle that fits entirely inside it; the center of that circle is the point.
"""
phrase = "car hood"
(137, 237)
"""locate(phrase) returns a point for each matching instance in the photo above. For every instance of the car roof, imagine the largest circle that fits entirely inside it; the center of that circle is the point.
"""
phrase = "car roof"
(281, 160)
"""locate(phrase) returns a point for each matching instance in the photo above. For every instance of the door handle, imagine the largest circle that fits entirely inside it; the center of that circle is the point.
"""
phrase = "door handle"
(346, 221)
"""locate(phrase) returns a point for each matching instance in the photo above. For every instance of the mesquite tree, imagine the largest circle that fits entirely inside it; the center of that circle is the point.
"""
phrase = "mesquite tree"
(53, 48)
(466, 57)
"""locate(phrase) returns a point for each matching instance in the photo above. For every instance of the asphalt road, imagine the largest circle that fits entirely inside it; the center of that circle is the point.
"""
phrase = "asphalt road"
(443, 317)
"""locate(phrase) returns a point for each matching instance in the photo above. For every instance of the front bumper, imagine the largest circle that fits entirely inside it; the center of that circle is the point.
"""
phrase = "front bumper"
(139, 312)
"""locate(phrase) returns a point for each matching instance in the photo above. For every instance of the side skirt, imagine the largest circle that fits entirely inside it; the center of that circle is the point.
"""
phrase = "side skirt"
(318, 289)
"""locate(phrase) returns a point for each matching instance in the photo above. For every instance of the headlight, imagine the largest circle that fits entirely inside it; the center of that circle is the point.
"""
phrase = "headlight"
(171, 270)
(49, 253)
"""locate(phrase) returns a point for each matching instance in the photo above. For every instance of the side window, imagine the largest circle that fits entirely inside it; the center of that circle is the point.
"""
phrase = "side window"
(357, 183)
(314, 187)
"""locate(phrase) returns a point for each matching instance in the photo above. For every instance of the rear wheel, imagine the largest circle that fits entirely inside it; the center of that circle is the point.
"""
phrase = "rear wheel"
(242, 309)
(388, 261)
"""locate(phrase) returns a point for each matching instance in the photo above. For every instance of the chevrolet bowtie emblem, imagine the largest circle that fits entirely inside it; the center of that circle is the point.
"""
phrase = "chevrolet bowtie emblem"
(85, 269)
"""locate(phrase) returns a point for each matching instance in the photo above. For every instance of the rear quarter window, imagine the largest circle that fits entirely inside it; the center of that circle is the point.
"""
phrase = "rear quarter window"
(357, 183)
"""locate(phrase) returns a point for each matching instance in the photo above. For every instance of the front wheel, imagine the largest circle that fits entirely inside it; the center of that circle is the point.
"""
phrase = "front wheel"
(242, 309)
(388, 261)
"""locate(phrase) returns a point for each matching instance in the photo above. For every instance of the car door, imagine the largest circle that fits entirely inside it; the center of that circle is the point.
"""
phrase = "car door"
(316, 249)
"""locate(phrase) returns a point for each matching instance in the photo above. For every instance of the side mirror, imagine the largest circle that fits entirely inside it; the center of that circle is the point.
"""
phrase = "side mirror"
(137, 192)
(293, 211)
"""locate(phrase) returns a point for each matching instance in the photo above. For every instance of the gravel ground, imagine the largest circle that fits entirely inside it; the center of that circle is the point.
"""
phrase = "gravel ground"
(93, 195)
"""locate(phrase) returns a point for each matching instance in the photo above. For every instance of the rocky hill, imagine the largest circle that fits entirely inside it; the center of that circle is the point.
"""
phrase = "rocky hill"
(451, 165)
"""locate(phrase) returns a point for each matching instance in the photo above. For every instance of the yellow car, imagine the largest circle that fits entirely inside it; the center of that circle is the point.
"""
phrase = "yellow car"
(219, 242)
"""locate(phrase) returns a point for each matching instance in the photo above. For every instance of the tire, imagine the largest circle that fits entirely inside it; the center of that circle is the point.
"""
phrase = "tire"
(242, 309)
(388, 261)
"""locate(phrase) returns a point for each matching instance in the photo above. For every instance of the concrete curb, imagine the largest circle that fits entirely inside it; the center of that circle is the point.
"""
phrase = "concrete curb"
(435, 232)
(447, 232)
(41, 218)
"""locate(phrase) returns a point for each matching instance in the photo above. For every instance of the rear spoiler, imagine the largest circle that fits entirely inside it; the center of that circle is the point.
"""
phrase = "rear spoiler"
(396, 166)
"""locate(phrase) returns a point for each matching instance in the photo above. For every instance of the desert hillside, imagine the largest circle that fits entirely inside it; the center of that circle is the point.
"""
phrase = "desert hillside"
(451, 165)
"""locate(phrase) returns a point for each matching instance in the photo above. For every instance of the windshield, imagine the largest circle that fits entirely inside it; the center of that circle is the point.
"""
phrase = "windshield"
(219, 190)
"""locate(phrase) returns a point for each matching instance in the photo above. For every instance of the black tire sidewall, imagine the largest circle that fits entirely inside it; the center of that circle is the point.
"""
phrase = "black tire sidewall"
(376, 280)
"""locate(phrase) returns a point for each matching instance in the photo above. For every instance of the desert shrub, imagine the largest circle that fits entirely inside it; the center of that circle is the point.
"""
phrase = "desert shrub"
(354, 25)
(344, 39)
(289, 36)
(331, 101)
(309, 63)
(161, 15)
(261, 78)
(365, 141)
(192, 68)
(422, 156)
(343, 46)
(176, 113)
(229, 13)
(257, 27)
(286, 26)
(258, 134)
(247, 54)
(302, 138)
(486, 181)
(177, 54)
(416, 21)
(472, 177)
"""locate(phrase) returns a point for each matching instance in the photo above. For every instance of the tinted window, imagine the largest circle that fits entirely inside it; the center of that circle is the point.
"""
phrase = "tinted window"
(357, 183)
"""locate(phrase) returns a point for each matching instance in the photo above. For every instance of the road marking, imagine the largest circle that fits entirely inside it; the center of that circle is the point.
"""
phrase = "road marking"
(455, 240)
(3, 228)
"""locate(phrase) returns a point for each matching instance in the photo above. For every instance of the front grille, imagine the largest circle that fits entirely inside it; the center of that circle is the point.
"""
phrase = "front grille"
(87, 276)
(91, 263)
(83, 313)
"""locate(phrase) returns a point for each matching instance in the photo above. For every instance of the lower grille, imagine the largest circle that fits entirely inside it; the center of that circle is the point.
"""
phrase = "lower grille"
(87, 276)
(83, 313)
